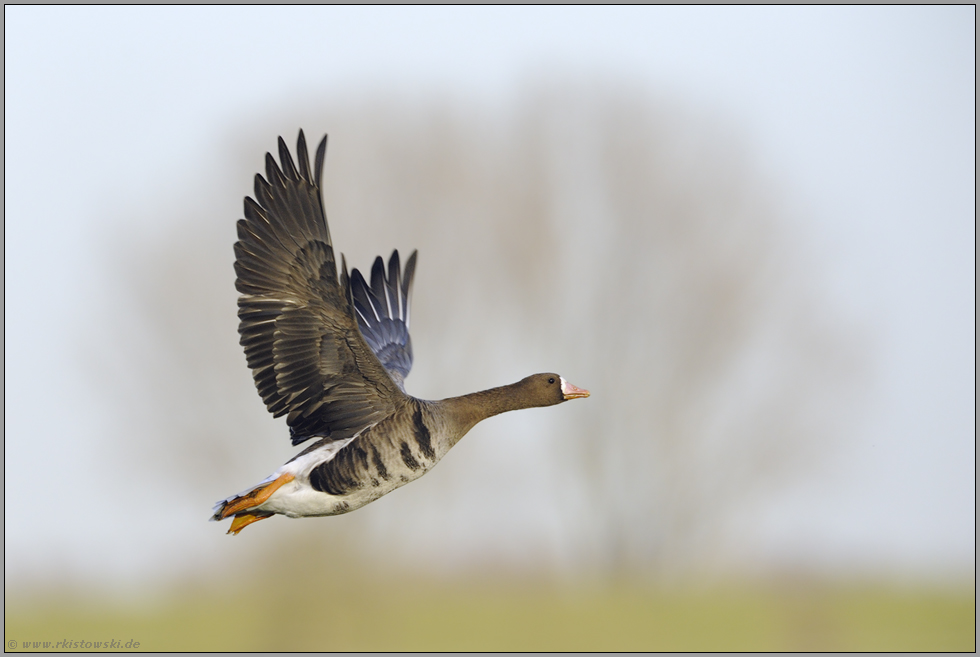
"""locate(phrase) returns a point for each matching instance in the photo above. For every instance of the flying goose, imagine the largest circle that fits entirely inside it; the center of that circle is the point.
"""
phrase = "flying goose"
(332, 356)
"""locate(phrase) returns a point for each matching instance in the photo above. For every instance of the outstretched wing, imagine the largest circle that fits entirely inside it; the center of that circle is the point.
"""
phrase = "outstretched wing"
(297, 325)
(383, 313)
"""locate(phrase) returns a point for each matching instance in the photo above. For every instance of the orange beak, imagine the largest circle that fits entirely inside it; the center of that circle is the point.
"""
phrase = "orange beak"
(569, 391)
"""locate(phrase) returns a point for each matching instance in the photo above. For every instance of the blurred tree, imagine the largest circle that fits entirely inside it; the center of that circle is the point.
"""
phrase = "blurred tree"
(590, 230)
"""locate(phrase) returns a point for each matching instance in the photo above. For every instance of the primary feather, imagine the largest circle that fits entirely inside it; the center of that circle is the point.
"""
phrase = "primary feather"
(307, 354)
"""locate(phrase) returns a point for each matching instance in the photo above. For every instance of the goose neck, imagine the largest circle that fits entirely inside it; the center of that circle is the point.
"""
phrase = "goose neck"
(470, 409)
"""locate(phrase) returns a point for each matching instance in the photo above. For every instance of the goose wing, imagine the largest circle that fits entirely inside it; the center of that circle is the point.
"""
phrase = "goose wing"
(297, 319)
(383, 313)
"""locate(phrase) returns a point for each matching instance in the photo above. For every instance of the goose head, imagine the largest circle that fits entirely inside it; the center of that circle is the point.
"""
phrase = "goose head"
(548, 389)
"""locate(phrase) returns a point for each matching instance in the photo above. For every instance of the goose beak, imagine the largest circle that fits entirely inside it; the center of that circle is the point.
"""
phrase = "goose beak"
(569, 391)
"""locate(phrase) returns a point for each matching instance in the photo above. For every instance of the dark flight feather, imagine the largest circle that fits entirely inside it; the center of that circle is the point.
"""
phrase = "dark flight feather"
(302, 341)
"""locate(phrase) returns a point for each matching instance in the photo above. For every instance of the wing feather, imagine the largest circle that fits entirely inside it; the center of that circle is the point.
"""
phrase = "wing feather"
(308, 357)
(382, 313)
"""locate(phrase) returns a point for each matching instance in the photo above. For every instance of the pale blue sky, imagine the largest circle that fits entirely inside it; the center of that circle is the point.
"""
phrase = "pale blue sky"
(862, 117)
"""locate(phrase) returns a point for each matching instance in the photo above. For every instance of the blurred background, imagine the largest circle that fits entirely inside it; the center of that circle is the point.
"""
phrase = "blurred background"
(750, 232)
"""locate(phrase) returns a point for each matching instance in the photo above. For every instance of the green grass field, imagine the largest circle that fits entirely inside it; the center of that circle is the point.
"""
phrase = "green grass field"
(345, 615)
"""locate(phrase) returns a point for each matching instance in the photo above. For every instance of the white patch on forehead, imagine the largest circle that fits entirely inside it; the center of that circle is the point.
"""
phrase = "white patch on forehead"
(564, 385)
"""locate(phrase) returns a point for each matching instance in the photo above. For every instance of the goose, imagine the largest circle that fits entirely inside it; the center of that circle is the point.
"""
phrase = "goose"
(332, 354)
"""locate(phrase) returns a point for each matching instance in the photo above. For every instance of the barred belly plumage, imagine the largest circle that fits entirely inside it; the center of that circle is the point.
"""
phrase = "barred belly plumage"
(381, 459)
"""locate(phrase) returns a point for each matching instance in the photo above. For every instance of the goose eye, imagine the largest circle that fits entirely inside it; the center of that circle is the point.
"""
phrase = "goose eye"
(551, 380)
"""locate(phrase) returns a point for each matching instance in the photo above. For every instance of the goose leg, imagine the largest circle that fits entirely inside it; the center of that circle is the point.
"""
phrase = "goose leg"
(254, 497)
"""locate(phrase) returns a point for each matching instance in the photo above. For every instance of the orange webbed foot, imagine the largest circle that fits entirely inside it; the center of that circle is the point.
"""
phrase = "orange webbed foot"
(254, 497)
(243, 520)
